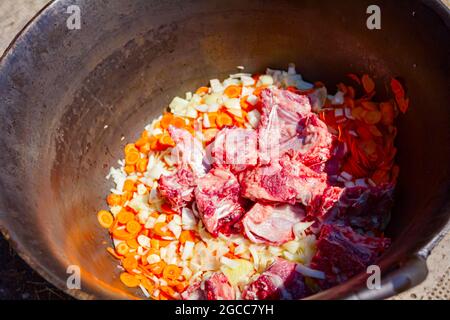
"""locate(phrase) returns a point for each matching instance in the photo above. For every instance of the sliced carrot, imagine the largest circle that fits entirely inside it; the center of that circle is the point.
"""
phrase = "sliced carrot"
(129, 185)
(129, 280)
(202, 91)
(369, 105)
(397, 88)
(186, 235)
(141, 165)
(178, 122)
(154, 243)
(130, 169)
(160, 228)
(387, 113)
(358, 112)
(130, 148)
(122, 248)
(257, 91)
(233, 91)
(132, 157)
(181, 286)
(105, 218)
(354, 77)
(166, 120)
(127, 196)
(156, 268)
(171, 272)
(114, 200)
(133, 227)
(223, 119)
(166, 140)
(368, 84)
(132, 243)
(129, 263)
(165, 243)
(122, 234)
(372, 117)
(168, 291)
(403, 104)
(140, 142)
(145, 149)
(124, 216)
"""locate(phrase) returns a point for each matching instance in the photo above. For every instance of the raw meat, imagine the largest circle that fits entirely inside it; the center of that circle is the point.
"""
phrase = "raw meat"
(271, 224)
(178, 188)
(342, 253)
(218, 200)
(236, 148)
(279, 281)
(281, 112)
(326, 206)
(288, 125)
(188, 151)
(366, 207)
(217, 287)
(286, 181)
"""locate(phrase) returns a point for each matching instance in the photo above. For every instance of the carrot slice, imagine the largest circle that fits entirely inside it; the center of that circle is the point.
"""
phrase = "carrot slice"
(154, 243)
(202, 91)
(403, 104)
(181, 286)
(166, 120)
(223, 119)
(157, 268)
(166, 140)
(105, 218)
(186, 235)
(129, 263)
(130, 148)
(121, 234)
(114, 200)
(133, 227)
(387, 113)
(129, 185)
(132, 243)
(129, 280)
(354, 77)
(171, 272)
(397, 88)
(124, 216)
(368, 84)
(141, 165)
(372, 117)
(140, 142)
(132, 157)
(113, 252)
(233, 91)
(161, 230)
(130, 169)
(122, 248)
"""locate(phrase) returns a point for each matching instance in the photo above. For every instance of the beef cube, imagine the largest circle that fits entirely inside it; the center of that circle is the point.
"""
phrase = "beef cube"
(178, 188)
(216, 287)
(236, 148)
(286, 181)
(343, 253)
(280, 281)
(271, 224)
(218, 200)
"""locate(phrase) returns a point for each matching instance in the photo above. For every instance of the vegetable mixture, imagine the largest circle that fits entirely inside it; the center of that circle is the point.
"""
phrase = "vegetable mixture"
(260, 186)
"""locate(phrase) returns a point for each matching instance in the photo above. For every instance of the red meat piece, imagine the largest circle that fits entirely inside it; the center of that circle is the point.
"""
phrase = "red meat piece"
(271, 224)
(326, 206)
(281, 112)
(343, 253)
(218, 200)
(279, 281)
(217, 287)
(235, 147)
(178, 188)
(286, 180)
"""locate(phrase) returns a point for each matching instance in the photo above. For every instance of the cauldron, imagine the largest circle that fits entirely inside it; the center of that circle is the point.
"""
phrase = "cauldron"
(68, 95)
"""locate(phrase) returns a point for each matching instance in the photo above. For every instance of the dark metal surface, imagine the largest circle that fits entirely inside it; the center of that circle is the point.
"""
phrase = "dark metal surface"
(60, 87)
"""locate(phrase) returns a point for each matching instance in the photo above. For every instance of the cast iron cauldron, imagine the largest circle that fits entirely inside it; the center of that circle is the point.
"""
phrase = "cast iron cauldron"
(59, 88)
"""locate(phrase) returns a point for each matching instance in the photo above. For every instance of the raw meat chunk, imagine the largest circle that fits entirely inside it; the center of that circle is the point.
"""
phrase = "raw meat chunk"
(285, 181)
(326, 206)
(271, 224)
(281, 112)
(178, 188)
(218, 200)
(236, 147)
(188, 151)
(342, 253)
(216, 287)
(279, 281)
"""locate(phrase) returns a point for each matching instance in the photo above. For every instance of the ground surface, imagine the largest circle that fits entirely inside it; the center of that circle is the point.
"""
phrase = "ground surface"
(18, 281)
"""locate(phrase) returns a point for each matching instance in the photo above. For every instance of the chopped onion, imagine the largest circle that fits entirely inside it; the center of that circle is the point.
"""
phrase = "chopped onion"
(308, 272)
